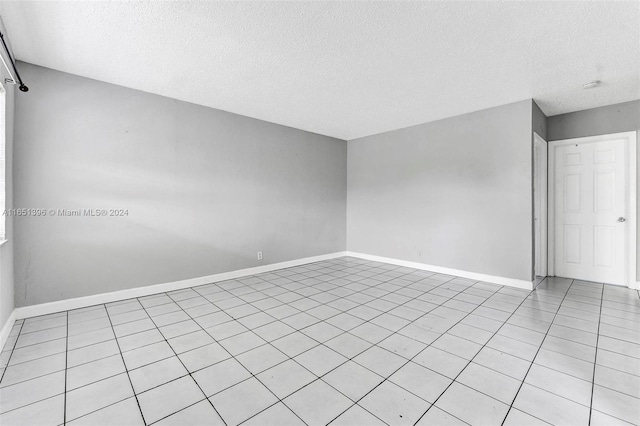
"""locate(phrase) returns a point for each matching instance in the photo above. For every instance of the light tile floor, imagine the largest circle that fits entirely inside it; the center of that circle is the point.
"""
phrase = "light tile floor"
(344, 341)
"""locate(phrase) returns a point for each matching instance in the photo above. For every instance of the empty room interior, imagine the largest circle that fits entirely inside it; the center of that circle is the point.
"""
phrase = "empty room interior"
(353, 213)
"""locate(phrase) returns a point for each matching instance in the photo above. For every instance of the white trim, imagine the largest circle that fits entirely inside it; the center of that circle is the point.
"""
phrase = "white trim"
(98, 299)
(6, 329)
(541, 270)
(511, 282)
(635, 286)
(631, 189)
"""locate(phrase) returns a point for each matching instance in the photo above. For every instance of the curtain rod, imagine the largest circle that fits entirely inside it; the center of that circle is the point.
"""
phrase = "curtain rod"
(17, 80)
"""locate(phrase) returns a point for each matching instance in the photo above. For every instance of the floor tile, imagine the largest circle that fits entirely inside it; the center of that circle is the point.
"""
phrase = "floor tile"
(43, 413)
(156, 374)
(190, 341)
(261, 358)
(615, 361)
(133, 327)
(436, 416)
(179, 328)
(276, 415)
(321, 331)
(441, 362)
(419, 328)
(559, 383)
(357, 415)
(90, 338)
(233, 405)
(203, 357)
(242, 343)
(201, 413)
(380, 361)
(345, 321)
(320, 360)
(394, 405)
(31, 369)
(567, 347)
(602, 419)
(461, 347)
(40, 350)
(147, 355)
(95, 396)
(502, 362)
(618, 381)
(317, 403)
(490, 382)
(518, 418)
(138, 340)
(273, 331)
(566, 364)
(549, 407)
(121, 413)
(30, 391)
(220, 376)
(514, 347)
(371, 333)
(28, 339)
(169, 398)
(353, 380)
(419, 333)
(92, 353)
(616, 404)
(91, 372)
(348, 345)
(425, 383)
(477, 409)
(286, 378)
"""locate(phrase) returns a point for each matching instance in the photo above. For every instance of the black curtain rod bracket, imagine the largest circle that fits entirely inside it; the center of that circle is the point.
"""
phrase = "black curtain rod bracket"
(23, 87)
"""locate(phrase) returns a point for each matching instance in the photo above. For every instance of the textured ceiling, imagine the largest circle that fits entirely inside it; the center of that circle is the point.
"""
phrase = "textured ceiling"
(344, 69)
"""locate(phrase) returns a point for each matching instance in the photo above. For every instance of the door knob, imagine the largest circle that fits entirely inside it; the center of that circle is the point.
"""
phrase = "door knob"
(622, 219)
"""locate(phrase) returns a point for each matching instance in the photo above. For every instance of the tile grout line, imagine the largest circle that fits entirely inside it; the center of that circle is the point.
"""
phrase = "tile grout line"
(398, 288)
(66, 372)
(12, 349)
(411, 359)
(469, 361)
(413, 321)
(535, 356)
(231, 357)
(451, 278)
(474, 356)
(125, 369)
(595, 359)
(348, 332)
(184, 366)
(319, 321)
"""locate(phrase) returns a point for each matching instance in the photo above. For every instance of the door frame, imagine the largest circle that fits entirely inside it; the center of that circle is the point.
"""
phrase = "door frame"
(540, 171)
(630, 191)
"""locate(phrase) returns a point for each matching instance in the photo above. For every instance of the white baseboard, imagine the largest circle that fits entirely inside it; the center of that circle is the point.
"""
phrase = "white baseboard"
(98, 299)
(635, 286)
(511, 282)
(6, 329)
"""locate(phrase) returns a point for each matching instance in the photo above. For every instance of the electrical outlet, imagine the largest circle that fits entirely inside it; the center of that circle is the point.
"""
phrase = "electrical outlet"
(259, 255)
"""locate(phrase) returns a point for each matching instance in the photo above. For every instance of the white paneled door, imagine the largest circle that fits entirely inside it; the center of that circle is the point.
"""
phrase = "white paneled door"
(591, 223)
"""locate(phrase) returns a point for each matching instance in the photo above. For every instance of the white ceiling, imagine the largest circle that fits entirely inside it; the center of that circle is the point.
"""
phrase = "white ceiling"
(344, 69)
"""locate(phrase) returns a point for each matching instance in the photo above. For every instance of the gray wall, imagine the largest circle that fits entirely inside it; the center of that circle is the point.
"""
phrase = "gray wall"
(6, 250)
(205, 189)
(539, 126)
(539, 121)
(459, 191)
(617, 118)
